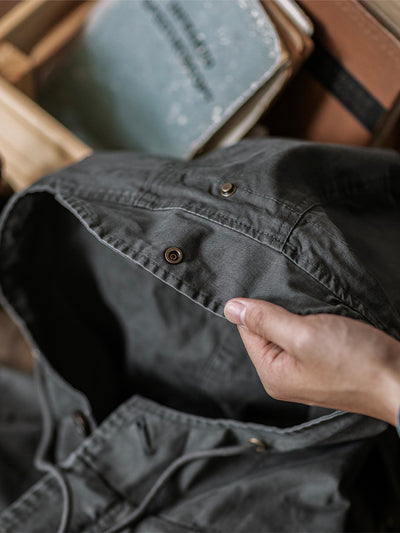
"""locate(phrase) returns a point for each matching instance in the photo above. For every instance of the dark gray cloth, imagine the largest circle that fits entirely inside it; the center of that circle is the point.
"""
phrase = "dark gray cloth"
(137, 371)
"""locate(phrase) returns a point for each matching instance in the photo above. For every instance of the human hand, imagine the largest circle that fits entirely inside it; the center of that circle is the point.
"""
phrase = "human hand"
(325, 360)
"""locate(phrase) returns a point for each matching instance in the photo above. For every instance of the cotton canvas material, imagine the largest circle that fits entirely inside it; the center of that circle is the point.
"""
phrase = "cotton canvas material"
(140, 349)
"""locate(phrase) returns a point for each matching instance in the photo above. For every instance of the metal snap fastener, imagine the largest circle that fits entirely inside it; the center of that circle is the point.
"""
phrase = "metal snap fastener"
(259, 444)
(228, 189)
(81, 422)
(173, 255)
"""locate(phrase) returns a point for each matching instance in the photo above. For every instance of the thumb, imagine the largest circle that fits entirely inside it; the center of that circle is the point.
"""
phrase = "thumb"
(267, 320)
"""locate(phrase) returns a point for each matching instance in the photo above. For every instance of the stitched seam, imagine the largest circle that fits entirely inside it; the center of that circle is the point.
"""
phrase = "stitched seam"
(115, 508)
(344, 243)
(328, 201)
(226, 225)
(27, 504)
(133, 198)
(259, 195)
(94, 193)
(212, 216)
(128, 411)
(135, 253)
(91, 465)
(110, 512)
(182, 420)
(375, 319)
(185, 284)
(282, 251)
(88, 464)
(297, 222)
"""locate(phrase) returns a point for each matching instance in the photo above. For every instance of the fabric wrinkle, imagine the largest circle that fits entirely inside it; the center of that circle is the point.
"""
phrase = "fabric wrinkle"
(140, 349)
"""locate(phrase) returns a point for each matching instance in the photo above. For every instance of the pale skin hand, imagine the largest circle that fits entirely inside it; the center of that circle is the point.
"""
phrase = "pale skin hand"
(324, 360)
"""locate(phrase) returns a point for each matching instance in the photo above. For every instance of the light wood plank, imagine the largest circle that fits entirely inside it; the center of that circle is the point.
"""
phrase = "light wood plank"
(61, 35)
(17, 68)
(26, 23)
(32, 143)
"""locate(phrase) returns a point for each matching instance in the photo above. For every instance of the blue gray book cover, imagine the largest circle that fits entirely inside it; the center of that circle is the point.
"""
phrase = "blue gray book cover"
(163, 76)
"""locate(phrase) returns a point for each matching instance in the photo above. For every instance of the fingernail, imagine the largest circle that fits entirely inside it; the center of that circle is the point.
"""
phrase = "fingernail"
(235, 312)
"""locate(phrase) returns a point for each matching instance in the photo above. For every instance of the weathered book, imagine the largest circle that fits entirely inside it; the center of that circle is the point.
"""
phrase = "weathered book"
(177, 77)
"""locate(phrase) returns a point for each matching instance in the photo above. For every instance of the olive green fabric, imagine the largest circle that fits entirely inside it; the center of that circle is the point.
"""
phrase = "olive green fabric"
(137, 371)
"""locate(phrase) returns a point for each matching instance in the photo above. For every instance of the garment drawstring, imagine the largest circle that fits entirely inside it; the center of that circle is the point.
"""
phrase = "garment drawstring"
(42, 464)
(227, 451)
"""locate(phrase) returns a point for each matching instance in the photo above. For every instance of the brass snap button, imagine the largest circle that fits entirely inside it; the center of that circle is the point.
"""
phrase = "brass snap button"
(173, 255)
(228, 189)
(81, 422)
(259, 444)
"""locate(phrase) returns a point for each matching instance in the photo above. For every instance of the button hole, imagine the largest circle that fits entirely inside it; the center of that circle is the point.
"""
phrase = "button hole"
(144, 436)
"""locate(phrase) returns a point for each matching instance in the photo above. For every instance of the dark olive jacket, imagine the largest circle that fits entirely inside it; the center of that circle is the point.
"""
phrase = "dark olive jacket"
(145, 412)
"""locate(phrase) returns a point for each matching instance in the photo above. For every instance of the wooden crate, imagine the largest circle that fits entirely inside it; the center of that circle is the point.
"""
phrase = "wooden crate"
(32, 143)
(34, 35)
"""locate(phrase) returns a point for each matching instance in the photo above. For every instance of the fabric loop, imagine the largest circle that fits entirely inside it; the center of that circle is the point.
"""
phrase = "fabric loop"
(40, 461)
(227, 451)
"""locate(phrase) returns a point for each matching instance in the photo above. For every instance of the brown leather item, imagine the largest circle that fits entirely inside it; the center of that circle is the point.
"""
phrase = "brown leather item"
(368, 55)
(360, 43)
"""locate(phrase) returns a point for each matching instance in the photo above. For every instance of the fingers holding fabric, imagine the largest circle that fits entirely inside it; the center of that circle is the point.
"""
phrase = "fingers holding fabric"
(274, 365)
(324, 359)
(267, 320)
